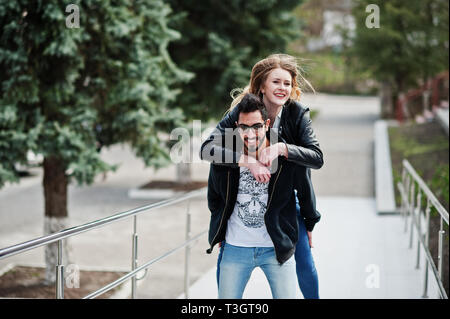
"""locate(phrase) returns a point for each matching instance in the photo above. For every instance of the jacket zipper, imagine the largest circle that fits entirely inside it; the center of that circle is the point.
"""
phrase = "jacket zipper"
(223, 212)
(270, 199)
(273, 189)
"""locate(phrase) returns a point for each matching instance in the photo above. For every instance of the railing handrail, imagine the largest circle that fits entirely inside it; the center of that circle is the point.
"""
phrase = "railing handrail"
(134, 272)
(414, 210)
(440, 209)
(69, 232)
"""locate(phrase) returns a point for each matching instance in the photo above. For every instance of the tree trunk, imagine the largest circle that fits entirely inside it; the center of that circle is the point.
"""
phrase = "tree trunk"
(387, 101)
(399, 93)
(55, 193)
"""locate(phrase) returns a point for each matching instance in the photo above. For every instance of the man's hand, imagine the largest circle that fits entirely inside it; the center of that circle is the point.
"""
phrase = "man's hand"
(310, 239)
(270, 153)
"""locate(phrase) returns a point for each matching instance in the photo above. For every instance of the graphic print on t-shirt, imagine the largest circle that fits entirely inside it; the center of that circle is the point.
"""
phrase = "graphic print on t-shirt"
(252, 200)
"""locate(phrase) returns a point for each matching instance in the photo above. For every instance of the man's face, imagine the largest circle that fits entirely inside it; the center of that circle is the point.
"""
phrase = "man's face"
(252, 130)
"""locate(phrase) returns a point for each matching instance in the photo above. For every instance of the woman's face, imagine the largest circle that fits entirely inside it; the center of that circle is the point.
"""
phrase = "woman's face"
(277, 88)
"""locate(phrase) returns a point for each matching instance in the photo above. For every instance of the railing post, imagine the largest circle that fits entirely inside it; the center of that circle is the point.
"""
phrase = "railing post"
(412, 214)
(60, 272)
(187, 252)
(134, 257)
(407, 195)
(441, 241)
(427, 240)
(403, 200)
(419, 229)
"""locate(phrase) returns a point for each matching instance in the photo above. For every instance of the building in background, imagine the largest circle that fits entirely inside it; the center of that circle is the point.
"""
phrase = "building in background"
(333, 18)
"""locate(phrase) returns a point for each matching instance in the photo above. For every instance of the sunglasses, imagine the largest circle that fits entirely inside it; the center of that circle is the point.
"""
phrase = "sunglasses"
(246, 128)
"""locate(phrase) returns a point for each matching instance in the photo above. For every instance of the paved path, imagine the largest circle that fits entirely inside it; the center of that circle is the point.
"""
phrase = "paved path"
(358, 254)
(351, 241)
(345, 130)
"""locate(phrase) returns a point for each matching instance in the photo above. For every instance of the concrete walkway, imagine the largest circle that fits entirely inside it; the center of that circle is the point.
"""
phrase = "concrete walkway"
(358, 254)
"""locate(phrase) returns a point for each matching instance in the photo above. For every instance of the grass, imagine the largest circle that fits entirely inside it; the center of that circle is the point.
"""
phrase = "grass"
(331, 72)
(426, 147)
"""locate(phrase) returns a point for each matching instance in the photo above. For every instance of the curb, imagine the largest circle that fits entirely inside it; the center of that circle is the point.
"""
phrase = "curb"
(156, 194)
(384, 185)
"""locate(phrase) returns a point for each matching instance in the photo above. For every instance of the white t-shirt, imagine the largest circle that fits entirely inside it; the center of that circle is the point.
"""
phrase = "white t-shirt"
(246, 226)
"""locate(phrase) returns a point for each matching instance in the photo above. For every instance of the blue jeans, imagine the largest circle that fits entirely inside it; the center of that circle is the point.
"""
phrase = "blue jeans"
(308, 280)
(237, 264)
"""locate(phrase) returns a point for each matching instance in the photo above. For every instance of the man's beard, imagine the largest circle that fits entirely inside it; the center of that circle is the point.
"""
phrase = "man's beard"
(254, 149)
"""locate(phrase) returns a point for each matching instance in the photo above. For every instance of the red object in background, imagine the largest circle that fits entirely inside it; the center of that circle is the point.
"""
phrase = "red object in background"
(432, 85)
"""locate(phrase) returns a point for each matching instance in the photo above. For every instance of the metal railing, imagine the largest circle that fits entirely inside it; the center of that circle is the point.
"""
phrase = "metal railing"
(411, 206)
(70, 232)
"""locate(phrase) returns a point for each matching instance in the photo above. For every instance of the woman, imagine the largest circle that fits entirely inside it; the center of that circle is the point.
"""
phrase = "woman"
(276, 80)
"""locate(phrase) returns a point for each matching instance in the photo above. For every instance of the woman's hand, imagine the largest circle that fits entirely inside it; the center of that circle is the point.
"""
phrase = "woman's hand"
(270, 153)
(310, 239)
(258, 170)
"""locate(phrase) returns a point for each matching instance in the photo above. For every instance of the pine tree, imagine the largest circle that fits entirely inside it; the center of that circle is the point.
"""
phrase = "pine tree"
(66, 92)
(220, 43)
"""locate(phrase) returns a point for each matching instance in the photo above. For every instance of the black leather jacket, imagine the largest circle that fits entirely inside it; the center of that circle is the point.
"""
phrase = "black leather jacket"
(280, 216)
(295, 130)
(303, 153)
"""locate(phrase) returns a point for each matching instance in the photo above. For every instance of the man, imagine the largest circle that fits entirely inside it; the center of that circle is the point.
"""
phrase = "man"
(256, 221)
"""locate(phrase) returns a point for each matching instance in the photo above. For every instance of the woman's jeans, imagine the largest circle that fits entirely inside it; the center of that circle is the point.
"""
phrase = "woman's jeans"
(237, 264)
(308, 280)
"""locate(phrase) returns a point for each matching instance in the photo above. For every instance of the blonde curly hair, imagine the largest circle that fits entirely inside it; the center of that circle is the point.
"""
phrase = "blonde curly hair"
(262, 69)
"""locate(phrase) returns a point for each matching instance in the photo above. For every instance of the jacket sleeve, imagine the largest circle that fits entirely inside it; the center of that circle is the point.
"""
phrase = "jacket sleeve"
(306, 151)
(306, 196)
(213, 196)
(221, 146)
